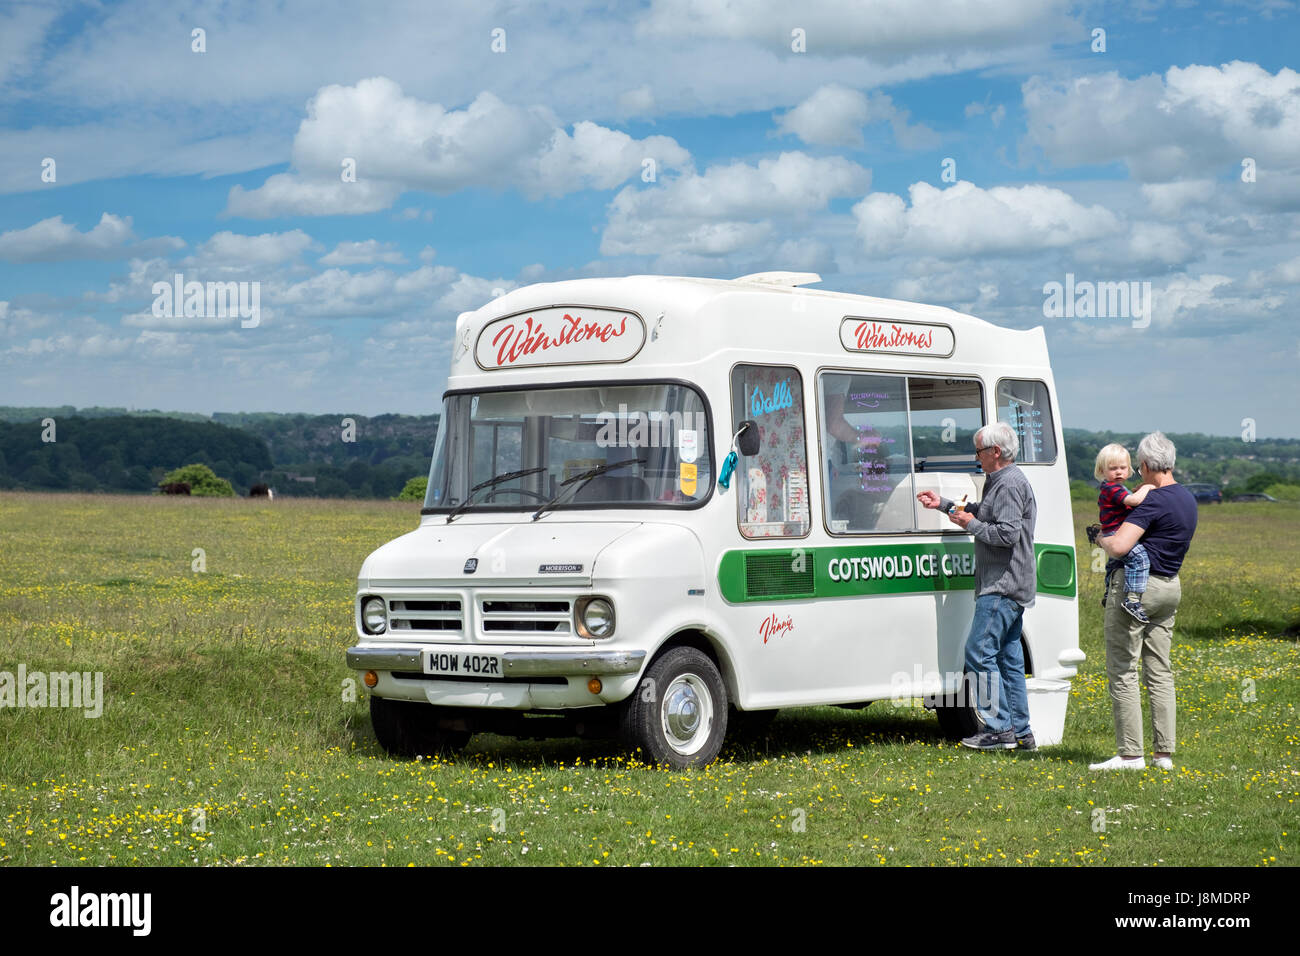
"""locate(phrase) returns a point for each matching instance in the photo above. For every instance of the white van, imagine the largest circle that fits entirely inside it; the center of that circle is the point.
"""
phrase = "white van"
(588, 562)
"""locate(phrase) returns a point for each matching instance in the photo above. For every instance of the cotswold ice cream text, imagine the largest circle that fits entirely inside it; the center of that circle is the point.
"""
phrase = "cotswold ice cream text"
(901, 566)
(35, 689)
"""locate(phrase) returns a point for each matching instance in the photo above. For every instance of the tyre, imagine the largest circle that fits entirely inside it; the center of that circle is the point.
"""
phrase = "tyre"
(957, 719)
(678, 713)
(956, 712)
(408, 728)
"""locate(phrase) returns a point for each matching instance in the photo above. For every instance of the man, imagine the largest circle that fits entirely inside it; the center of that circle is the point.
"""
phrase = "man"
(1005, 581)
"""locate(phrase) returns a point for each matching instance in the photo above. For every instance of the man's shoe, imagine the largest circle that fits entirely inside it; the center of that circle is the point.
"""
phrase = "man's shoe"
(991, 741)
(1092, 531)
(1119, 763)
(1027, 742)
(1163, 763)
(1136, 610)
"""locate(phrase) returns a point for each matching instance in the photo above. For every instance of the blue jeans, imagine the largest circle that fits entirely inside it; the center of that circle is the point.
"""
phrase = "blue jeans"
(994, 658)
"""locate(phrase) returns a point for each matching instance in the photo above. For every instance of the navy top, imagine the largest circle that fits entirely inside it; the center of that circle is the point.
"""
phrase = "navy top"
(1168, 517)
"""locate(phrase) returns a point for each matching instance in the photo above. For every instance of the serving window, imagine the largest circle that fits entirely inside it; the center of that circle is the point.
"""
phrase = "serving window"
(887, 437)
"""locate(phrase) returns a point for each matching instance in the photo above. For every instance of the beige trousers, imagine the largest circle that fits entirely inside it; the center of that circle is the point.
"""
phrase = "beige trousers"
(1127, 641)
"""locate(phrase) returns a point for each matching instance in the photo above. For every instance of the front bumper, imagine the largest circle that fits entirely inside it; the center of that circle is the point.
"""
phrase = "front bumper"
(532, 679)
(529, 663)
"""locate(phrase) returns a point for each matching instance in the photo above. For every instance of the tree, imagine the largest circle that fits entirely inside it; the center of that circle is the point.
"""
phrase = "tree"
(202, 481)
(414, 490)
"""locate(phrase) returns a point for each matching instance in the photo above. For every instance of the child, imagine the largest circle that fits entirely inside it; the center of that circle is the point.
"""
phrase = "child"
(1114, 503)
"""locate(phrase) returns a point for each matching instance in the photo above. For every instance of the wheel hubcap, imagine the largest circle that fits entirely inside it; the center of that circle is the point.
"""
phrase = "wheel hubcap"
(687, 714)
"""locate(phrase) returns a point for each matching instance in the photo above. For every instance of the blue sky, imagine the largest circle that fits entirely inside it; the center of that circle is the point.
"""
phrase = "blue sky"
(479, 170)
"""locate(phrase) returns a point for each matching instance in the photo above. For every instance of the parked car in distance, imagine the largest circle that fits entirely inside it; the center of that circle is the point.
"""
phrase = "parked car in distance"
(1205, 494)
(1254, 496)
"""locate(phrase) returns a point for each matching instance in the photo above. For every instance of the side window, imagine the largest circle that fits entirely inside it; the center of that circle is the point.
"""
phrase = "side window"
(946, 414)
(771, 487)
(1025, 406)
(867, 469)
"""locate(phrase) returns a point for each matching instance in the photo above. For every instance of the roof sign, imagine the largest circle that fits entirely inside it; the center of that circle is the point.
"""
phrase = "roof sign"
(896, 337)
(560, 335)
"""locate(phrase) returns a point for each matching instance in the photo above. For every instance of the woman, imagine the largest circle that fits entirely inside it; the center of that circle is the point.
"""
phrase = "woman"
(1165, 523)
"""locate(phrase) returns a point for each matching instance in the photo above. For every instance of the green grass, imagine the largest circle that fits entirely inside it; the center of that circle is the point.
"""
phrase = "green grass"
(225, 707)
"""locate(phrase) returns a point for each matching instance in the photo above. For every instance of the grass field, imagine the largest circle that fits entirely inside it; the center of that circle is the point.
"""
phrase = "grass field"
(226, 738)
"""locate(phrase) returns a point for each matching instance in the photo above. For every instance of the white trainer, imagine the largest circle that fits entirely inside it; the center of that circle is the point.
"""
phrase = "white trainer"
(1120, 763)
(1163, 763)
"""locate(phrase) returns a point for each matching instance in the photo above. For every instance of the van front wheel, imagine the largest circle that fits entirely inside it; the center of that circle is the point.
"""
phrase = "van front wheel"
(678, 713)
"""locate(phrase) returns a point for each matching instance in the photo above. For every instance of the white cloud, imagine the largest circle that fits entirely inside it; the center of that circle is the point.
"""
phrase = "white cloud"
(887, 29)
(53, 240)
(232, 250)
(411, 213)
(138, 144)
(399, 142)
(637, 102)
(285, 194)
(1191, 123)
(727, 208)
(470, 292)
(1168, 199)
(16, 321)
(834, 116)
(965, 220)
(23, 28)
(1284, 273)
(363, 253)
(1197, 305)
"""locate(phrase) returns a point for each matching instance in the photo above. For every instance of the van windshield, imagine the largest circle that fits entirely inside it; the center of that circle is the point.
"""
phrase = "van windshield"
(554, 434)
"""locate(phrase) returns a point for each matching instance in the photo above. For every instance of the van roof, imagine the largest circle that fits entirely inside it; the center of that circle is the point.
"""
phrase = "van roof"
(696, 291)
(760, 305)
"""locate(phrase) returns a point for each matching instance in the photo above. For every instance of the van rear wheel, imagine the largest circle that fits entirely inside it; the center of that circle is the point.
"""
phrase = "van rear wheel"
(678, 713)
(957, 715)
(408, 728)
(957, 720)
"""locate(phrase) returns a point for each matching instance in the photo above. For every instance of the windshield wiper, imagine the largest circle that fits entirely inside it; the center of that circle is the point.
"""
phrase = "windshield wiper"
(585, 477)
(508, 476)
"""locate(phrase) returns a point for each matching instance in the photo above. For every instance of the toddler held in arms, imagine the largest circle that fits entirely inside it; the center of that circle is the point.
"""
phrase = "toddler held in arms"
(1114, 503)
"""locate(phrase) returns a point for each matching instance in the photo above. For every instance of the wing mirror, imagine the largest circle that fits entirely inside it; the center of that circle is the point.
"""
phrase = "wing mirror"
(747, 441)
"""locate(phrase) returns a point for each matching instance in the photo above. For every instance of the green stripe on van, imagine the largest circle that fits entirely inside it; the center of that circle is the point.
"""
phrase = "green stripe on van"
(788, 574)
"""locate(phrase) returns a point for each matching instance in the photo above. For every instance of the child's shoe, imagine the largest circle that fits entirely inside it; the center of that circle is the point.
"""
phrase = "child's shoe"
(1134, 607)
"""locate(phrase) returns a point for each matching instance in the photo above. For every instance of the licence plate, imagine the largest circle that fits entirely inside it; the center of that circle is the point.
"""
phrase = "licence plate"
(462, 664)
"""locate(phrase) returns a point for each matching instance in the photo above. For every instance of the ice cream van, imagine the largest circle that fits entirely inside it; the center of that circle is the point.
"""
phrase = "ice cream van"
(664, 508)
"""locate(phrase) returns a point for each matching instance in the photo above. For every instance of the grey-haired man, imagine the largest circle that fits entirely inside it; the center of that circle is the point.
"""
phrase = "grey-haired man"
(1005, 581)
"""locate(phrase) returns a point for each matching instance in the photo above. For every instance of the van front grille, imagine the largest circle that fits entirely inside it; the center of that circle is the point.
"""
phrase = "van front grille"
(526, 617)
(443, 615)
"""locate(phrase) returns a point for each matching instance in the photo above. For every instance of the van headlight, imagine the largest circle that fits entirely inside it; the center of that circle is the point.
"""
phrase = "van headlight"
(595, 618)
(374, 615)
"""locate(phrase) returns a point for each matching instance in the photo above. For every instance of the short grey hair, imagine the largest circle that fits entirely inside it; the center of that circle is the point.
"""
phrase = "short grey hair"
(1157, 452)
(1002, 435)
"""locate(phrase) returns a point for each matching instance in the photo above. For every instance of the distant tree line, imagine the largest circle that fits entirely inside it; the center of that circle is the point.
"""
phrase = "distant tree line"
(353, 456)
(124, 453)
(1228, 463)
(297, 455)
